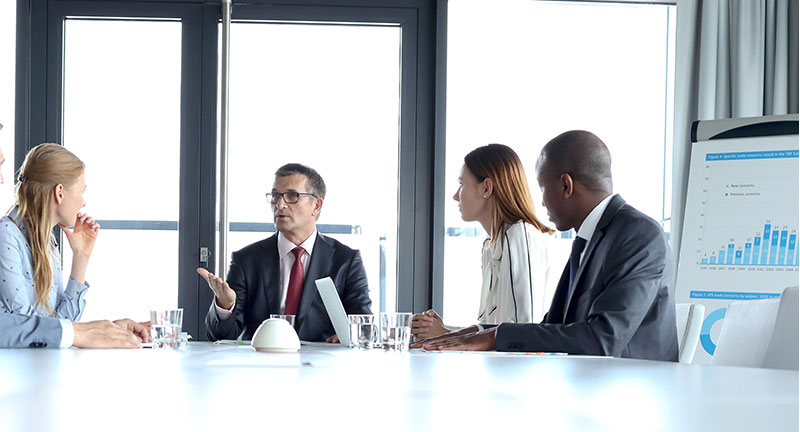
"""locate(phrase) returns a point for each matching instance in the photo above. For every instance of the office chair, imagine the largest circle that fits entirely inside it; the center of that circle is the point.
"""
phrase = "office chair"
(783, 345)
(745, 333)
(689, 319)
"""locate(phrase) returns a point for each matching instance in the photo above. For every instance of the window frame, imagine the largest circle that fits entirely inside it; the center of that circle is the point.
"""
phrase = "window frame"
(39, 111)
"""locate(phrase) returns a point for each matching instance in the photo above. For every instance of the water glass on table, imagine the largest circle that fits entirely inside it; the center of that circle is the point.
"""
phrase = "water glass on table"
(289, 318)
(165, 328)
(362, 331)
(395, 330)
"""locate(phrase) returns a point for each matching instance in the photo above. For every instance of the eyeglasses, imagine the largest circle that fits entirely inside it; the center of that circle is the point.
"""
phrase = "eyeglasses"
(290, 197)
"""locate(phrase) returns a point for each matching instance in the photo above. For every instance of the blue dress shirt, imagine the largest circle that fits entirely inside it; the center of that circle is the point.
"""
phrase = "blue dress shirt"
(17, 289)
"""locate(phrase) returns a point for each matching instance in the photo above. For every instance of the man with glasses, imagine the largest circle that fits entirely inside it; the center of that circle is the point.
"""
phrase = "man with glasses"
(276, 275)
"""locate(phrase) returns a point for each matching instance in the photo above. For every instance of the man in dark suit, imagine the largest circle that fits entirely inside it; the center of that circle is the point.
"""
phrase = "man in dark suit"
(276, 275)
(616, 295)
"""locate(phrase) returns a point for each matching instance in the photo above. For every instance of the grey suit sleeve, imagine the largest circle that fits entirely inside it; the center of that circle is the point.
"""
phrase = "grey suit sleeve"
(232, 327)
(21, 331)
(632, 277)
(355, 298)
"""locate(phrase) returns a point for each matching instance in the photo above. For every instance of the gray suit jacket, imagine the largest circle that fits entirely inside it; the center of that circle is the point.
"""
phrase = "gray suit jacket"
(255, 275)
(623, 304)
(23, 331)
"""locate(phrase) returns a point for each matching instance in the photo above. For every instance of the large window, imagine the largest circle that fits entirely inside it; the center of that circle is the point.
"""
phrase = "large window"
(326, 96)
(132, 88)
(520, 72)
(8, 26)
(122, 118)
(348, 90)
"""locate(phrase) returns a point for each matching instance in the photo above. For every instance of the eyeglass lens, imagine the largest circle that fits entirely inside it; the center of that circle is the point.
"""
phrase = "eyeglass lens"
(288, 197)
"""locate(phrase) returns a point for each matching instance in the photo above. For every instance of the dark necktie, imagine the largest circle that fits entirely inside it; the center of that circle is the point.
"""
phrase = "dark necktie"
(295, 283)
(575, 260)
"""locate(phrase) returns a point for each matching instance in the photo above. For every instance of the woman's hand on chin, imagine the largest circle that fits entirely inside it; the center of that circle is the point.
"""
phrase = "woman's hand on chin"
(83, 235)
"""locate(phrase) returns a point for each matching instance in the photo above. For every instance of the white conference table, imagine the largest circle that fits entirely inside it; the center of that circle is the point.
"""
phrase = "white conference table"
(233, 388)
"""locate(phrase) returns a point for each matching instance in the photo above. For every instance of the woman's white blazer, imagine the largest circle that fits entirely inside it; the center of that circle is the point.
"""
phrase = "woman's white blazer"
(518, 278)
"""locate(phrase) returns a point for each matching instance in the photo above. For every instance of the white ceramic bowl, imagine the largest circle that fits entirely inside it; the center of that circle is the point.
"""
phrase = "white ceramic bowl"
(275, 335)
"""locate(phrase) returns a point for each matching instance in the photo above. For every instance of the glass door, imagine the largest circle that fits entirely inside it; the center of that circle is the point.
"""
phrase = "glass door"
(325, 96)
(325, 90)
(122, 118)
(123, 85)
(132, 88)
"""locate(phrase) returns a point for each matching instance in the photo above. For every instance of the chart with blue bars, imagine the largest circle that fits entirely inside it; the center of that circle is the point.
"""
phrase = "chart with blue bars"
(746, 210)
(739, 240)
(740, 231)
(775, 246)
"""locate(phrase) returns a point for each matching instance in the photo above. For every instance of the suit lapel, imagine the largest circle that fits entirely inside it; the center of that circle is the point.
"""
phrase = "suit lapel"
(613, 207)
(271, 275)
(319, 267)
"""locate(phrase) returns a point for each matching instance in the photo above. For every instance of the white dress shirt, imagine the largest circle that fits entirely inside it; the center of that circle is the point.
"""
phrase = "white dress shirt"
(286, 261)
(589, 225)
(67, 333)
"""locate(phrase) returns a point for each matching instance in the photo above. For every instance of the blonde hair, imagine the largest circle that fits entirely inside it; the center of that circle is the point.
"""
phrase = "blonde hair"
(45, 166)
(513, 200)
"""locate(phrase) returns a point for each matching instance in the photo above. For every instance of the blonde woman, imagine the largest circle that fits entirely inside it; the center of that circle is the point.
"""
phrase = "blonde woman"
(49, 192)
(517, 284)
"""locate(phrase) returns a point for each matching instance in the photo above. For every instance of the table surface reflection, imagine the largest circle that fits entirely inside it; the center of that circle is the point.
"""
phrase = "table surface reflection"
(219, 387)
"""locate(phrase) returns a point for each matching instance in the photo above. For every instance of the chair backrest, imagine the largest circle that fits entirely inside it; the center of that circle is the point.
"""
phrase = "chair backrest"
(783, 345)
(689, 319)
(745, 333)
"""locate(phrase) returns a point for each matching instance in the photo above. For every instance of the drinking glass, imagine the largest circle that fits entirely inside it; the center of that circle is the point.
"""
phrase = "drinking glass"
(362, 331)
(395, 330)
(289, 318)
(165, 328)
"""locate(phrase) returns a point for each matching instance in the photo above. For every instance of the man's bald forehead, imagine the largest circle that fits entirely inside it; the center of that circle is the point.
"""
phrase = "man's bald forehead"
(573, 143)
(581, 154)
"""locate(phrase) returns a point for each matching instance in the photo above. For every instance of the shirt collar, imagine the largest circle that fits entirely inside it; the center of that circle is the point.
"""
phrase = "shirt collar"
(285, 246)
(586, 231)
(12, 214)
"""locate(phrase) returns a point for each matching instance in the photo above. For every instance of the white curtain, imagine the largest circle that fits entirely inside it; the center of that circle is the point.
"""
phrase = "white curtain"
(734, 58)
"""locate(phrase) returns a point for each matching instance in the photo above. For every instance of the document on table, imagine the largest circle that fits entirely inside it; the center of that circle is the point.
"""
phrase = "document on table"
(512, 354)
(231, 342)
(497, 353)
(322, 344)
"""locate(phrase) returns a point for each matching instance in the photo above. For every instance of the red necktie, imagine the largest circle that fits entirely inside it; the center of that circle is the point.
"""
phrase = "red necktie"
(295, 283)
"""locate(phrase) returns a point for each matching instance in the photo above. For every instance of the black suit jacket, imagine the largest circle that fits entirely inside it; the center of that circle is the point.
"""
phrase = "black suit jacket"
(256, 277)
(623, 304)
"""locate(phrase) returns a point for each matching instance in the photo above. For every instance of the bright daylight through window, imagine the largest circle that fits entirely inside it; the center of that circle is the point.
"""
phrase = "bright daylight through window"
(134, 262)
(320, 95)
(8, 27)
(520, 72)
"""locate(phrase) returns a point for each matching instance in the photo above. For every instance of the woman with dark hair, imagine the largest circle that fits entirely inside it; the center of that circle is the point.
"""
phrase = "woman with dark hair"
(517, 282)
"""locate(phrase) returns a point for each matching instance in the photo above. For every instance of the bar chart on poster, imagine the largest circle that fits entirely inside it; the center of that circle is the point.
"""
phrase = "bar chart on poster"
(740, 226)
(740, 191)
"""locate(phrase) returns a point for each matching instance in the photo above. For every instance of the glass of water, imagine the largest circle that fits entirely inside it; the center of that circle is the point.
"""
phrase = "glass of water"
(395, 330)
(362, 331)
(289, 318)
(165, 328)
